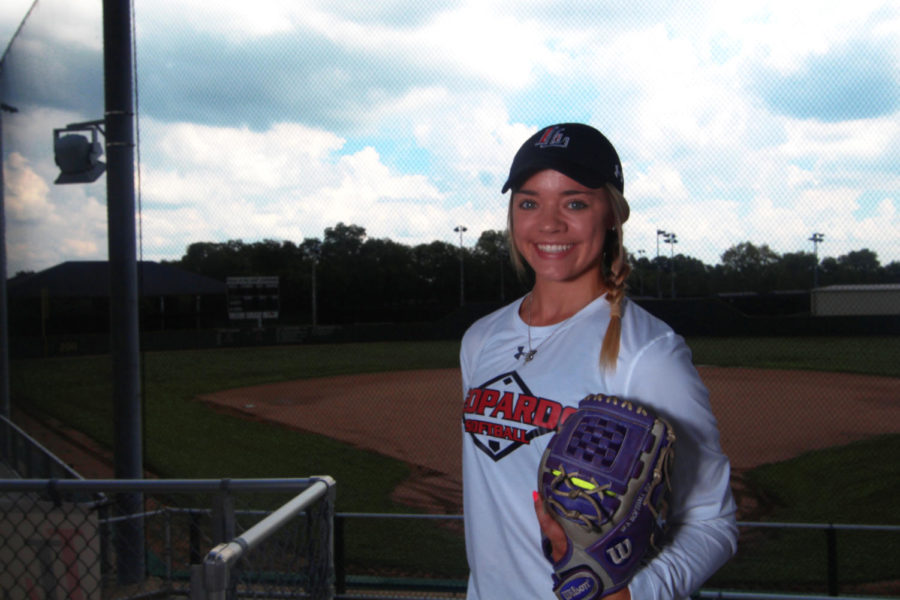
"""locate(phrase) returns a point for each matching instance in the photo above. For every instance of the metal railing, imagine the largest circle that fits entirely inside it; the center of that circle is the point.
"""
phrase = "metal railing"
(219, 563)
(54, 544)
(27, 458)
(829, 577)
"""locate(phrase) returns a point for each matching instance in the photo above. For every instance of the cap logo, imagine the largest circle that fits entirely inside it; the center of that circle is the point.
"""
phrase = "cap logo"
(553, 138)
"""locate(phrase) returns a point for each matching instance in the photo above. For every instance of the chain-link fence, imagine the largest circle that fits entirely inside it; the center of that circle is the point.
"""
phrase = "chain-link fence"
(362, 232)
(75, 539)
(23, 456)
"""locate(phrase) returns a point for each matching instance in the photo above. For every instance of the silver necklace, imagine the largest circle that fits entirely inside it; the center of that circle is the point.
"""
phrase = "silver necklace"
(529, 356)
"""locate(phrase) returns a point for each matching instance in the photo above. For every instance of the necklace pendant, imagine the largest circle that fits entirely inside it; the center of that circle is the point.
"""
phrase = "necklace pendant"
(529, 355)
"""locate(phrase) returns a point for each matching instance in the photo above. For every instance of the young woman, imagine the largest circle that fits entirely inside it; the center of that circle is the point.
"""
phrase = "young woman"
(526, 366)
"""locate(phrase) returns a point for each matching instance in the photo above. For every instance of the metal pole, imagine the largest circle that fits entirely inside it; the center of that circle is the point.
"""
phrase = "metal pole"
(641, 254)
(832, 561)
(672, 239)
(815, 239)
(5, 406)
(315, 316)
(659, 232)
(124, 336)
(462, 276)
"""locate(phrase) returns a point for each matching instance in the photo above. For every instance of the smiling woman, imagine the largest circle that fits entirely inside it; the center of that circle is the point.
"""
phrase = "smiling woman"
(573, 335)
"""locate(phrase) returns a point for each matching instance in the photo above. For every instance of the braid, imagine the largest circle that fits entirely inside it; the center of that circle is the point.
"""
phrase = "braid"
(616, 271)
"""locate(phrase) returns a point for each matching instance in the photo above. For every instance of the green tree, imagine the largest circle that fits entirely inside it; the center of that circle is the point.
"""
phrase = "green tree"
(386, 274)
(341, 295)
(858, 266)
(493, 277)
(642, 280)
(891, 272)
(437, 267)
(749, 268)
(218, 259)
(795, 271)
(691, 277)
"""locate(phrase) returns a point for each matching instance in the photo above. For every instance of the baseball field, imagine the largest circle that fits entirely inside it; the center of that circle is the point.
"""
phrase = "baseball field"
(765, 416)
(383, 419)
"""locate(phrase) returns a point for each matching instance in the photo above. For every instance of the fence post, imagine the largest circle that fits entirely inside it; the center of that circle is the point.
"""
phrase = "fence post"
(194, 540)
(832, 558)
(340, 573)
(330, 502)
(224, 530)
(223, 514)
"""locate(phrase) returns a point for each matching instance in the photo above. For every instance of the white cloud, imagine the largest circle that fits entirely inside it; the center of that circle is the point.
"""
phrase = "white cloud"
(26, 190)
(289, 182)
(662, 182)
(842, 141)
(403, 118)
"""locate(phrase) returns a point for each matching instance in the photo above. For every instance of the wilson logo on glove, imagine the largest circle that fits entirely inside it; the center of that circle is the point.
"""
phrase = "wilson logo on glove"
(580, 588)
(620, 552)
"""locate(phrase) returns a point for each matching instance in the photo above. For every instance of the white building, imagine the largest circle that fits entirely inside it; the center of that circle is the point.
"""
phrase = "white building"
(855, 300)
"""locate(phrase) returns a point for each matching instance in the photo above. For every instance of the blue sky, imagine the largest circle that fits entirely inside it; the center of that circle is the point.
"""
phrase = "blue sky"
(763, 122)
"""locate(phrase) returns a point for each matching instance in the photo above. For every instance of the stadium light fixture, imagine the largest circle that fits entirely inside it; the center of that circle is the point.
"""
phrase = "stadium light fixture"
(77, 157)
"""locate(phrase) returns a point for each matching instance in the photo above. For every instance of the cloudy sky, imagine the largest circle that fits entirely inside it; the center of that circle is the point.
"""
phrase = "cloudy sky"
(756, 121)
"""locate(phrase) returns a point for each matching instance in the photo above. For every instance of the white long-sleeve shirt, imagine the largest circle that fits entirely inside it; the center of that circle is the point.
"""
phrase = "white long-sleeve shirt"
(510, 410)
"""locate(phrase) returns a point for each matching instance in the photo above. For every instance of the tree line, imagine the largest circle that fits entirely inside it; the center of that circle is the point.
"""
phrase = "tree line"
(350, 277)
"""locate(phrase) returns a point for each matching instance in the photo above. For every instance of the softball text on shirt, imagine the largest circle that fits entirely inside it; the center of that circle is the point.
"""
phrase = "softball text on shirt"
(502, 415)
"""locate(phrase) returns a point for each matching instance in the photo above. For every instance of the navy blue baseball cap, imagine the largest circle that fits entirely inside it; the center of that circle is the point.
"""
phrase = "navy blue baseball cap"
(574, 149)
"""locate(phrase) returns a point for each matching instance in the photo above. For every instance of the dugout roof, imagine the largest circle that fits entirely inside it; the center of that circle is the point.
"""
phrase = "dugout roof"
(90, 279)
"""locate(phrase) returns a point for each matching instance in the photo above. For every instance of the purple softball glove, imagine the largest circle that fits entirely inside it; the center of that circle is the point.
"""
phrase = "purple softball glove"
(604, 478)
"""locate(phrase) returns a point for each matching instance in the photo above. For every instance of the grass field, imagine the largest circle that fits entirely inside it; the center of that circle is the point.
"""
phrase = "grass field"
(186, 439)
(849, 484)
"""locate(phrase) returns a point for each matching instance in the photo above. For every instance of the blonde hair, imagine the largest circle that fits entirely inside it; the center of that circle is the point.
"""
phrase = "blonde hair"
(614, 271)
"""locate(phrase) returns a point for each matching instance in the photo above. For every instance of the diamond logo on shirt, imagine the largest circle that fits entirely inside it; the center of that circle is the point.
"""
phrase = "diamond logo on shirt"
(502, 415)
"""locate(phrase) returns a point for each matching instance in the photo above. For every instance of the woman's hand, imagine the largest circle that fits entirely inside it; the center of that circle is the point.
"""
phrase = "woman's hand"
(551, 529)
(554, 533)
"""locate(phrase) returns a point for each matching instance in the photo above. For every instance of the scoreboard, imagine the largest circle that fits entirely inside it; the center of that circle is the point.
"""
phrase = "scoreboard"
(253, 297)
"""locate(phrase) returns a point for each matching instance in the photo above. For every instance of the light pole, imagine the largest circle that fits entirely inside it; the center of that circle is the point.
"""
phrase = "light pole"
(672, 239)
(659, 233)
(5, 406)
(641, 254)
(815, 239)
(504, 257)
(78, 160)
(314, 252)
(462, 278)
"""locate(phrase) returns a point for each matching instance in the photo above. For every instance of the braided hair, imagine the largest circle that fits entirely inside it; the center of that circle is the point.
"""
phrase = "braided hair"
(615, 274)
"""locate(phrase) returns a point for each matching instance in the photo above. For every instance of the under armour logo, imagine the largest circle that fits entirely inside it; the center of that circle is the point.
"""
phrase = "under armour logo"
(620, 552)
(521, 352)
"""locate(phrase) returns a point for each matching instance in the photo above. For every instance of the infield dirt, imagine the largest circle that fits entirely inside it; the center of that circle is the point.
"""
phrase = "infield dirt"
(764, 416)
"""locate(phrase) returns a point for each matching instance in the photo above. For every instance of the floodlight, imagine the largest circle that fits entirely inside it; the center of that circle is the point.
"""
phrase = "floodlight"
(77, 157)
